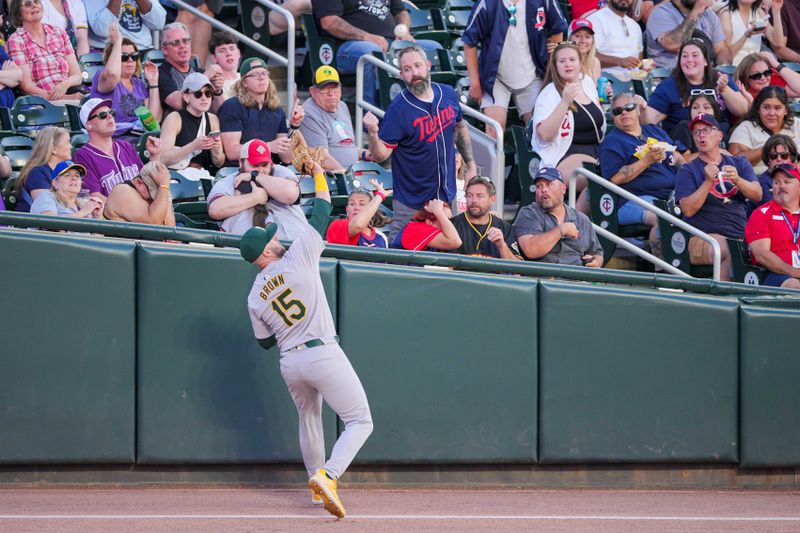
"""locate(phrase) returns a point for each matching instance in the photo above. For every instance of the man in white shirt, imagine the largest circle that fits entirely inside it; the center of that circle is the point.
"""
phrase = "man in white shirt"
(618, 39)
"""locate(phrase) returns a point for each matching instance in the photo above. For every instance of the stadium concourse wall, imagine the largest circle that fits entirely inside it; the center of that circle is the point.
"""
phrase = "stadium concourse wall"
(135, 361)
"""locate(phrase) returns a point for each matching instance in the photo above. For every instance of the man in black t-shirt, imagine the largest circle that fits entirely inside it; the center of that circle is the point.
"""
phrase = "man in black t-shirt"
(364, 27)
(481, 232)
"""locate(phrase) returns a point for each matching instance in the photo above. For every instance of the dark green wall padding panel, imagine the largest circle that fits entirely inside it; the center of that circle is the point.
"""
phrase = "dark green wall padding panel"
(67, 367)
(636, 376)
(207, 393)
(770, 401)
(448, 361)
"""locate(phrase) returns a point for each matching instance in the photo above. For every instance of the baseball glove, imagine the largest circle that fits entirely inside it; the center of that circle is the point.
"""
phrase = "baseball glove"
(303, 157)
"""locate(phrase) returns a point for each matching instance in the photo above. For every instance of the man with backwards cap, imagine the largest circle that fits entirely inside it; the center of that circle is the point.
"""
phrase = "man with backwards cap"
(773, 231)
(287, 307)
(711, 191)
(108, 161)
(327, 121)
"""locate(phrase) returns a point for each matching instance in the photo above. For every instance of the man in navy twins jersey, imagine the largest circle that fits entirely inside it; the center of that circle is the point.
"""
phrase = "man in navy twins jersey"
(421, 130)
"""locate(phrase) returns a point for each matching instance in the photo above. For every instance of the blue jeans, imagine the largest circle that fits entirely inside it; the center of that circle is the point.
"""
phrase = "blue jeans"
(347, 58)
(632, 213)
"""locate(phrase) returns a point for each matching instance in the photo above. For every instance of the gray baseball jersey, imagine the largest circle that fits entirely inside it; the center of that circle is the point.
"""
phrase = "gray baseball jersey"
(287, 299)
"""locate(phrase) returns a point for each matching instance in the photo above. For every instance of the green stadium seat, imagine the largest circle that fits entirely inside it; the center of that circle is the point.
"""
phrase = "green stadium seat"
(360, 172)
(194, 215)
(322, 50)
(441, 72)
(9, 195)
(744, 271)
(32, 113)
(727, 69)
(78, 141)
(183, 189)
(528, 163)
(675, 243)
(429, 24)
(18, 149)
(90, 64)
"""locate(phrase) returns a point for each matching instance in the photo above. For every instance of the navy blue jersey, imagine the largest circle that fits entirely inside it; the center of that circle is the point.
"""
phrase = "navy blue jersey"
(422, 135)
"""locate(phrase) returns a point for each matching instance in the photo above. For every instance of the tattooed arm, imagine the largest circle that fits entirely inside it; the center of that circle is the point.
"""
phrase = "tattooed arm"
(672, 40)
(341, 29)
(464, 146)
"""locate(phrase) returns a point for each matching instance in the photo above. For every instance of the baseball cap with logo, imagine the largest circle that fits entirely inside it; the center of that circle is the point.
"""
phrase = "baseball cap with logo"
(581, 24)
(251, 63)
(195, 81)
(549, 174)
(787, 168)
(88, 109)
(704, 118)
(64, 166)
(254, 240)
(256, 152)
(326, 75)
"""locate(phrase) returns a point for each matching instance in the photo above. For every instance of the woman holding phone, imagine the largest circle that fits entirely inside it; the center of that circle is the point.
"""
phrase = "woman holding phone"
(190, 138)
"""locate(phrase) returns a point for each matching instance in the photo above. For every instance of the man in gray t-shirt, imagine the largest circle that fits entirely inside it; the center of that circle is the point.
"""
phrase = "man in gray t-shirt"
(327, 121)
(672, 23)
(552, 232)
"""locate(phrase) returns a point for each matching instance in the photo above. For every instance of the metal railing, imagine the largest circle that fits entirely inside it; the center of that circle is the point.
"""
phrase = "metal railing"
(287, 62)
(498, 172)
(660, 213)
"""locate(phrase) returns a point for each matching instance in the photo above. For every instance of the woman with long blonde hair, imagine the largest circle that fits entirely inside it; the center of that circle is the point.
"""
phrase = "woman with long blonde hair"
(52, 146)
(255, 112)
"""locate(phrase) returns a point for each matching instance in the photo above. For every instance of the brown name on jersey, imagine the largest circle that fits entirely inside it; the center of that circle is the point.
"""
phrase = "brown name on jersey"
(272, 284)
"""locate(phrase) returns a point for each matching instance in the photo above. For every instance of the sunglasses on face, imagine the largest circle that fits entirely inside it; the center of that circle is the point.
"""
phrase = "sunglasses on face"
(133, 56)
(629, 107)
(758, 75)
(102, 115)
(786, 156)
(204, 92)
(31, 3)
(709, 92)
(178, 42)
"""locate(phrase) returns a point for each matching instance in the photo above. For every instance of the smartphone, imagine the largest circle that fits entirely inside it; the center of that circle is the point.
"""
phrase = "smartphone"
(214, 134)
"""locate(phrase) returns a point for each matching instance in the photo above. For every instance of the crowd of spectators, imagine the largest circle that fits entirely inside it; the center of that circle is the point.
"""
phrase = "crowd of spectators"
(716, 140)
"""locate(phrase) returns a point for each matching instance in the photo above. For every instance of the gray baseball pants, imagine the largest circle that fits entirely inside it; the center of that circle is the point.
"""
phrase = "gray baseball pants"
(325, 373)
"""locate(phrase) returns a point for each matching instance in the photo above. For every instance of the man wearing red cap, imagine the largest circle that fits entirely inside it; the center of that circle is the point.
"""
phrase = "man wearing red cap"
(712, 191)
(774, 229)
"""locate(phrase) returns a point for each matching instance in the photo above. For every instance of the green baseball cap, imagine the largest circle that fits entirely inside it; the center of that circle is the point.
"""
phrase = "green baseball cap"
(254, 240)
(251, 63)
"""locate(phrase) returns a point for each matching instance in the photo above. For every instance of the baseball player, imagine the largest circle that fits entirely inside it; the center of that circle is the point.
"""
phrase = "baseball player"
(287, 306)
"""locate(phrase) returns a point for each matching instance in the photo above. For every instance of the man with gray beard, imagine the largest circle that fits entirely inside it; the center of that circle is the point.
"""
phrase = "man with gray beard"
(420, 131)
(618, 39)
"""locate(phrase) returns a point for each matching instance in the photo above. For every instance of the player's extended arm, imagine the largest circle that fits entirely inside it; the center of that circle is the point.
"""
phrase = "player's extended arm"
(267, 343)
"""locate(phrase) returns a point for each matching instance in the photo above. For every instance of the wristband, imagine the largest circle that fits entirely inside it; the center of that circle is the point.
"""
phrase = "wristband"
(292, 126)
(380, 195)
(320, 183)
(163, 187)
(254, 174)
(151, 87)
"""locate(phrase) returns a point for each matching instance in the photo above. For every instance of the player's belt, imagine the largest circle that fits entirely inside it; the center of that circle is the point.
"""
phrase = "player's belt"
(313, 343)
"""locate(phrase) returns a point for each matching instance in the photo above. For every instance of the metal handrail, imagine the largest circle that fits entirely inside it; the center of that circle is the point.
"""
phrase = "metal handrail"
(660, 213)
(287, 62)
(498, 173)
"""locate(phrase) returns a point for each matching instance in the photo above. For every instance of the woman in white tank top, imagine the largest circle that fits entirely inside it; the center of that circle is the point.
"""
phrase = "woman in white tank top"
(746, 23)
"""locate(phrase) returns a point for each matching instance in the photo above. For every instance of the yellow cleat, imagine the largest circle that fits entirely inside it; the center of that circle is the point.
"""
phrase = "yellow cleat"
(316, 499)
(325, 487)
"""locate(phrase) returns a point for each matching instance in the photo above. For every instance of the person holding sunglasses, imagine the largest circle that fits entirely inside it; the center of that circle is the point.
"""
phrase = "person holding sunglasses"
(44, 53)
(626, 161)
(757, 71)
(120, 81)
(773, 229)
(769, 114)
(694, 74)
(363, 217)
(108, 161)
(186, 145)
(137, 19)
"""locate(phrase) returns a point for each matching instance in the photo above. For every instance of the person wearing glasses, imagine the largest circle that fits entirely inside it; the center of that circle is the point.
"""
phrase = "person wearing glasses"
(483, 233)
(757, 71)
(618, 39)
(176, 43)
(769, 114)
(137, 20)
(694, 74)
(108, 161)
(699, 103)
(363, 217)
(773, 231)
(255, 112)
(44, 54)
(712, 192)
(62, 198)
(625, 160)
(327, 122)
(186, 145)
(778, 149)
(121, 82)
(513, 38)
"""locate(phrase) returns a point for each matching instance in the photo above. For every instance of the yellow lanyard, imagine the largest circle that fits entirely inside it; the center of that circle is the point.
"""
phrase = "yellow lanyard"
(481, 235)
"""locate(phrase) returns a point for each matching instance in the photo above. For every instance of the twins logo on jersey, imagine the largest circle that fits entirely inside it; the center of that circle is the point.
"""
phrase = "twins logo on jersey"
(540, 19)
(724, 188)
(429, 127)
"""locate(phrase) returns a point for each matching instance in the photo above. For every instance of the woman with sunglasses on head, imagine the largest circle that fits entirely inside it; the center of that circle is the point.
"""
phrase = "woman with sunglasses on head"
(44, 53)
(694, 74)
(186, 145)
(363, 216)
(757, 71)
(120, 81)
(568, 122)
(255, 112)
(769, 115)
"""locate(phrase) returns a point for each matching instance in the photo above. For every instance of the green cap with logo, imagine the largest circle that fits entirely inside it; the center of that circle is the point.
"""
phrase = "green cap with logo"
(325, 75)
(251, 63)
(254, 240)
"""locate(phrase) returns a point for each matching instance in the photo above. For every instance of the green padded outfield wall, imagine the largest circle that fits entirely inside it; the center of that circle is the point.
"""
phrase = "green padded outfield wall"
(207, 392)
(631, 375)
(448, 361)
(770, 388)
(67, 368)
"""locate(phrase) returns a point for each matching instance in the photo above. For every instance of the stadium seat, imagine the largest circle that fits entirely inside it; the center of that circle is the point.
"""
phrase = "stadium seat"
(441, 72)
(183, 189)
(9, 195)
(322, 50)
(90, 64)
(675, 243)
(456, 19)
(78, 141)
(18, 149)
(429, 24)
(225, 172)
(155, 55)
(360, 172)
(32, 113)
(528, 163)
(727, 69)
(141, 146)
(194, 215)
(744, 271)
